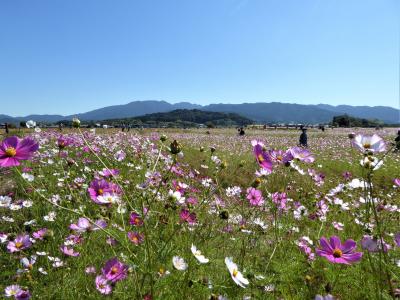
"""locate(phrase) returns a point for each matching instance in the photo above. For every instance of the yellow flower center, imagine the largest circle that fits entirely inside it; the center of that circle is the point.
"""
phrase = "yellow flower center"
(198, 252)
(18, 245)
(260, 158)
(10, 152)
(235, 272)
(337, 253)
(114, 270)
(367, 145)
(100, 191)
(279, 157)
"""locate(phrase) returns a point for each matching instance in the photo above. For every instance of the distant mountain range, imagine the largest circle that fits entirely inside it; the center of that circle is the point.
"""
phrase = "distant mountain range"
(275, 112)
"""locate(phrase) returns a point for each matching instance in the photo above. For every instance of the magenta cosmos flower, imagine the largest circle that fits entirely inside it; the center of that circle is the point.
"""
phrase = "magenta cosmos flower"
(255, 197)
(339, 253)
(135, 219)
(100, 187)
(13, 149)
(261, 155)
(21, 242)
(372, 143)
(135, 237)
(114, 270)
(186, 216)
(63, 142)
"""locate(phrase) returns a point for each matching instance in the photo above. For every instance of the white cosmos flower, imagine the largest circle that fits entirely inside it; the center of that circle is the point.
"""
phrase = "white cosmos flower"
(197, 253)
(235, 274)
(28, 177)
(179, 263)
(372, 143)
(357, 183)
(5, 201)
(30, 124)
(3, 238)
(177, 196)
(108, 198)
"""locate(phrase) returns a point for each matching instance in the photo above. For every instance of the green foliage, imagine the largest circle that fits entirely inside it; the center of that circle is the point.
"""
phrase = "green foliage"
(184, 118)
(349, 121)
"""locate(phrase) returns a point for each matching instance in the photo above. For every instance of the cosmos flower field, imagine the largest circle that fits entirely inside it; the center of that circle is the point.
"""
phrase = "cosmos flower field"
(185, 214)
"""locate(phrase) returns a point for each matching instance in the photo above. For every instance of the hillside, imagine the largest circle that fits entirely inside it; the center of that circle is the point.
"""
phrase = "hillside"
(184, 118)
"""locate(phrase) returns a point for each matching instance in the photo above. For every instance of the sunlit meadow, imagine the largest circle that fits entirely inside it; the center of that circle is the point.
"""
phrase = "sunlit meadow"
(191, 214)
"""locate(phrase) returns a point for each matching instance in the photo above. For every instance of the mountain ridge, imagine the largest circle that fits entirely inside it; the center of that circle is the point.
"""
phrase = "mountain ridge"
(259, 112)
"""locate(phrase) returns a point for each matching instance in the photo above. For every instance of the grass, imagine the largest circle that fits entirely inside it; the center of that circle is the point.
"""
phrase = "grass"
(268, 257)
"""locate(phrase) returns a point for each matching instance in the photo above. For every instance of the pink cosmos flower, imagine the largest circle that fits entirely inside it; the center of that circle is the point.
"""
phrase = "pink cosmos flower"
(90, 270)
(135, 219)
(188, 217)
(40, 234)
(84, 225)
(114, 270)
(102, 285)
(63, 142)
(346, 175)
(396, 181)
(23, 295)
(280, 156)
(21, 242)
(100, 187)
(255, 197)
(135, 237)
(109, 172)
(69, 251)
(339, 253)
(262, 156)
(366, 143)
(397, 239)
(302, 154)
(280, 199)
(373, 244)
(13, 149)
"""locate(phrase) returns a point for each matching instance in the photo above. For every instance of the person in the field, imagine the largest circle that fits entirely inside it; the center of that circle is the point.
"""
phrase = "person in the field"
(303, 138)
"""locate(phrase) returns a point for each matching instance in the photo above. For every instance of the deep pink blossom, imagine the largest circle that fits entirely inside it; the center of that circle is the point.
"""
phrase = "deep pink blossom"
(255, 197)
(186, 216)
(339, 253)
(262, 156)
(13, 149)
(136, 237)
(101, 187)
(135, 219)
(280, 199)
(114, 270)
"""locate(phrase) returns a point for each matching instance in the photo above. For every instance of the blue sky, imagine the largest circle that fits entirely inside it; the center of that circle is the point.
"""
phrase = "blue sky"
(73, 56)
